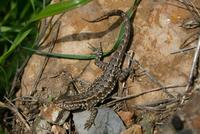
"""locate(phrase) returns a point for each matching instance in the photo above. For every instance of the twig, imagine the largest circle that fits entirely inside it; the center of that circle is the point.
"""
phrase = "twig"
(148, 108)
(191, 76)
(13, 108)
(17, 77)
(194, 64)
(158, 105)
(196, 10)
(192, 9)
(153, 79)
(145, 92)
(186, 43)
(183, 50)
(120, 92)
(53, 42)
(25, 99)
(147, 73)
(43, 28)
(76, 79)
(45, 37)
(159, 102)
(182, 1)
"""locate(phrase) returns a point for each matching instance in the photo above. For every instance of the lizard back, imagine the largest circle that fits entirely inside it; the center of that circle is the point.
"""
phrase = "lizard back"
(103, 85)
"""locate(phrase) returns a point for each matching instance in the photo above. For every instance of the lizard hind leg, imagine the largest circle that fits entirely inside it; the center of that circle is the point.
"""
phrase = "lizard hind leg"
(99, 56)
(92, 117)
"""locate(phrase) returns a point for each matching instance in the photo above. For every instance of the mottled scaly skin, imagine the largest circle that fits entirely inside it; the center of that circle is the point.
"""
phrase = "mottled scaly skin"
(104, 84)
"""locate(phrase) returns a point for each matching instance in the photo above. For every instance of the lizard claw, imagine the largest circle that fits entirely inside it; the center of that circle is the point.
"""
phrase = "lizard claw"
(94, 49)
(88, 125)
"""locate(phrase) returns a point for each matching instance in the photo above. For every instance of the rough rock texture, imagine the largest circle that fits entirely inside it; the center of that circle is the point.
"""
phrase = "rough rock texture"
(157, 34)
(106, 122)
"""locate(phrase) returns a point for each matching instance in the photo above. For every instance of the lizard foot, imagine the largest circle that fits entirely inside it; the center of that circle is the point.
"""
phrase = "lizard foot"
(99, 56)
(97, 51)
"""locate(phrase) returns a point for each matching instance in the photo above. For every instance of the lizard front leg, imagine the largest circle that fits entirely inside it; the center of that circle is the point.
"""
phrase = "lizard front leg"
(92, 117)
(99, 56)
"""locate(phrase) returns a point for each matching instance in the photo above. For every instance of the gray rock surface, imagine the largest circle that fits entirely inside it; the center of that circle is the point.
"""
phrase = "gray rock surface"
(106, 122)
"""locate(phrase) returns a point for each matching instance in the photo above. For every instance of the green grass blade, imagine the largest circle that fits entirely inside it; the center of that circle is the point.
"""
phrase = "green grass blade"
(4, 29)
(130, 13)
(85, 57)
(5, 38)
(57, 8)
(20, 37)
(57, 55)
(9, 14)
(121, 34)
(3, 78)
(33, 4)
(24, 11)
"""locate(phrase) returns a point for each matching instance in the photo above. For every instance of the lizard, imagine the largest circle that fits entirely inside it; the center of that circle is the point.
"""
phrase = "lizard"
(105, 83)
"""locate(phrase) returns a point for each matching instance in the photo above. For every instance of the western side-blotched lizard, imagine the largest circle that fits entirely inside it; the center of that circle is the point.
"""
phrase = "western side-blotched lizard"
(103, 85)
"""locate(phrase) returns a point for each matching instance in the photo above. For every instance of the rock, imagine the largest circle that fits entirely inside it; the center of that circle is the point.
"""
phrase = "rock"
(126, 117)
(106, 122)
(52, 113)
(58, 130)
(41, 126)
(135, 129)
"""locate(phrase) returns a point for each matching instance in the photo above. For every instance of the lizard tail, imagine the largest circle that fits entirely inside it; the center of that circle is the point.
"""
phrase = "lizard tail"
(107, 15)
